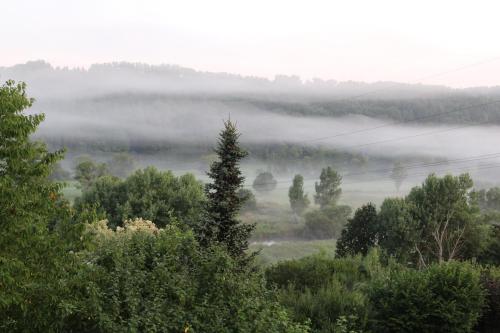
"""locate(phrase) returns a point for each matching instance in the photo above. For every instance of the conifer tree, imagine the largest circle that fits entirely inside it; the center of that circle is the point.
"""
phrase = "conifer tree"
(220, 224)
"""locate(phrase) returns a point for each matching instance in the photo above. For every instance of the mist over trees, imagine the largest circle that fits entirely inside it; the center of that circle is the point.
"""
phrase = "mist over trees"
(149, 250)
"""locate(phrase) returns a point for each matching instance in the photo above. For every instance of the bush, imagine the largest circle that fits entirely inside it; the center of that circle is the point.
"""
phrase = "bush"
(490, 280)
(442, 298)
(327, 222)
(144, 279)
(324, 289)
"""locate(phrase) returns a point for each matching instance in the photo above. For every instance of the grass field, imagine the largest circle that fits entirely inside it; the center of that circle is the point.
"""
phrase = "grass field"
(273, 252)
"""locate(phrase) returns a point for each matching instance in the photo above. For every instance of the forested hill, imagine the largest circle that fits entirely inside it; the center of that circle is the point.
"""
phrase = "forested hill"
(118, 84)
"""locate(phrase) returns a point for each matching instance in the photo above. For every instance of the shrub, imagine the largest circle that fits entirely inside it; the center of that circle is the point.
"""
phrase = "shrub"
(327, 222)
(442, 298)
(324, 289)
(490, 280)
(143, 279)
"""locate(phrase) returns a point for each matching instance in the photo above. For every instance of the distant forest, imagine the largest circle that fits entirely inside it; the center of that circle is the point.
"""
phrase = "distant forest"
(125, 83)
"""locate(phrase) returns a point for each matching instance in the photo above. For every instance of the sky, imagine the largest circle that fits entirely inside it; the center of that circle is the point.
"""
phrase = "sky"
(449, 42)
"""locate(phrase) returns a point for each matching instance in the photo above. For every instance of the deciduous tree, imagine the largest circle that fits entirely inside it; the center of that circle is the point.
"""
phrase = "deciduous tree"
(328, 189)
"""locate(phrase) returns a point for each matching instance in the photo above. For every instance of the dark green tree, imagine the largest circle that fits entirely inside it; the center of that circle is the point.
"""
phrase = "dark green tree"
(298, 200)
(442, 298)
(221, 224)
(360, 233)
(328, 190)
(397, 230)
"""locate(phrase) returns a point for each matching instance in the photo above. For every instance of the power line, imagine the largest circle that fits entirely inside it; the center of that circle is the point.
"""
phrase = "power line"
(471, 65)
(400, 122)
(414, 119)
(484, 167)
(411, 166)
(415, 135)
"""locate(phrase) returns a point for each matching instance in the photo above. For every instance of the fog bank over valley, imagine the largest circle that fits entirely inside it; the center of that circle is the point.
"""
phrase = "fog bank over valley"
(170, 116)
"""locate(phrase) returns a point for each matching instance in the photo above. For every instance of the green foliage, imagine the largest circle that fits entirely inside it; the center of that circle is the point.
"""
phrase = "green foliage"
(325, 289)
(56, 278)
(490, 280)
(346, 325)
(153, 280)
(436, 222)
(397, 230)
(328, 190)
(489, 200)
(154, 195)
(298, 200)
(35, 262)
(442, 298)
(360, 233)
(491, 253)
(220, 225)
(264, 182)
(446, 218)
(327, 222)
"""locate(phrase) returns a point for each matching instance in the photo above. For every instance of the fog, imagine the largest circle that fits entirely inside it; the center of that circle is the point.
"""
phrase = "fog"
(170, 117)
(47, 82)
(199, 122)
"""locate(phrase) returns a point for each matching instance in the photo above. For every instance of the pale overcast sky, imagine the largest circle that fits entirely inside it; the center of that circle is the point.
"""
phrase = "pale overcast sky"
(369, 40)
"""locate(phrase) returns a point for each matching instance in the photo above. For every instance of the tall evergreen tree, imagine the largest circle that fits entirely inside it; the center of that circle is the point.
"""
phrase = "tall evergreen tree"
(220, 224)
(298, 200)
